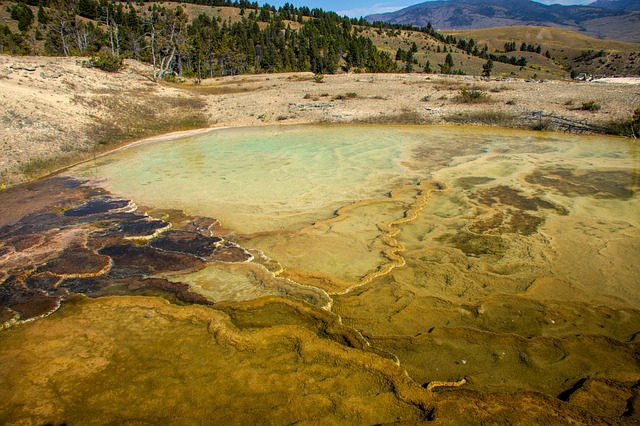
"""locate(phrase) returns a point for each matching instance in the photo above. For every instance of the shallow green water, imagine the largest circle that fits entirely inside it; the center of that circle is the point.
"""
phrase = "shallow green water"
(260, 179)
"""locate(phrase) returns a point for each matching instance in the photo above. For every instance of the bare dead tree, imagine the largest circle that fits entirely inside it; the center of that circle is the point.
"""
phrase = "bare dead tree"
(635, 118)
(63, 22)
(168, 29)
(82, 36)
(114, 31)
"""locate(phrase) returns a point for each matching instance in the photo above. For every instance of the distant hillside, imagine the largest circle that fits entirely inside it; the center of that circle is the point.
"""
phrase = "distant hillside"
(600, 22)
(567, 49)
(617, 4)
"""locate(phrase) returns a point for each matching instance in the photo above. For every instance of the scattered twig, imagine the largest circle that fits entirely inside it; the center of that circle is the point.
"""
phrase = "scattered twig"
(438, 384)
(566, 124)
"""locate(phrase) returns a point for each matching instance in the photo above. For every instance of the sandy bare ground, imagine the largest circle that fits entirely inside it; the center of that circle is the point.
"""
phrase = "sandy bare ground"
(621, 80)
(54, 112)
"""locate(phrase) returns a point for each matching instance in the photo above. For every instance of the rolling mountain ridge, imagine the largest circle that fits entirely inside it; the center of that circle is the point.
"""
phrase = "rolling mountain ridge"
(617, 4)
(608, 21)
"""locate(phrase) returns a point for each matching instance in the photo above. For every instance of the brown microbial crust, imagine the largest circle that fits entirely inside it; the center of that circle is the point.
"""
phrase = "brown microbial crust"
(74, 238)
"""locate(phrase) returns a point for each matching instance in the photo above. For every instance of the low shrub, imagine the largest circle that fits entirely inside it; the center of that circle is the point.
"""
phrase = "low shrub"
(472, 95)
(591, 106)
(625, 127)
(500, 89)
(349, 95)
(404, 116)
(106, 61)
(170, 77)
(487, 117)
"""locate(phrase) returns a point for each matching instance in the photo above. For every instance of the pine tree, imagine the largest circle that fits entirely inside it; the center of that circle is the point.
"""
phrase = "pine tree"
(61, 28)
(447, 67)
(43, 16)
(23, 14)
(487, 68)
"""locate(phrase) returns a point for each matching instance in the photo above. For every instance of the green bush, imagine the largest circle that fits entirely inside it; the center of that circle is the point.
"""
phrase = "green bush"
(170, 77)
(106, 61)
(591, 106)
(472, 95)
(485, 116)
(626, 127)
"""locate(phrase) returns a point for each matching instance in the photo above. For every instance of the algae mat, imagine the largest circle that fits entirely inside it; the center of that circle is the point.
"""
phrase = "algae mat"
(327, 274)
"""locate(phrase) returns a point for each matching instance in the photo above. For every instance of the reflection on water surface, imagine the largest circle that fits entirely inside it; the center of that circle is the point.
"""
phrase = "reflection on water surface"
(343, 257)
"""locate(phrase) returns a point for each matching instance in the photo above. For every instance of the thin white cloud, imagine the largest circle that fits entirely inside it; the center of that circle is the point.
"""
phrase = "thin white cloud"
(357, 12)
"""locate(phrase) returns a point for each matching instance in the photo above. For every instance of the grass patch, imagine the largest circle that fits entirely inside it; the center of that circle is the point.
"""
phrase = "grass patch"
(212, 89)
(123, 118)
(591, 106)
(405, 116)
(350, 95)
(38, 167)
(14, 119)
(447, 84)
(155, 115)
(240, 81)
(500, 89)
(486, 117)
(472, 95)
(300, 77)
(624, 128)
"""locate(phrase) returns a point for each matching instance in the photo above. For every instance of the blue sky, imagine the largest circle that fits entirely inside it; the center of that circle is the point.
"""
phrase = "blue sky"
(351, 8)
(357, 8)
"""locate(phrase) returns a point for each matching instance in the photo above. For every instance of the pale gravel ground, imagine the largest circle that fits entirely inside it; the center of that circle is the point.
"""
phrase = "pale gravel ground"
(41, 116)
